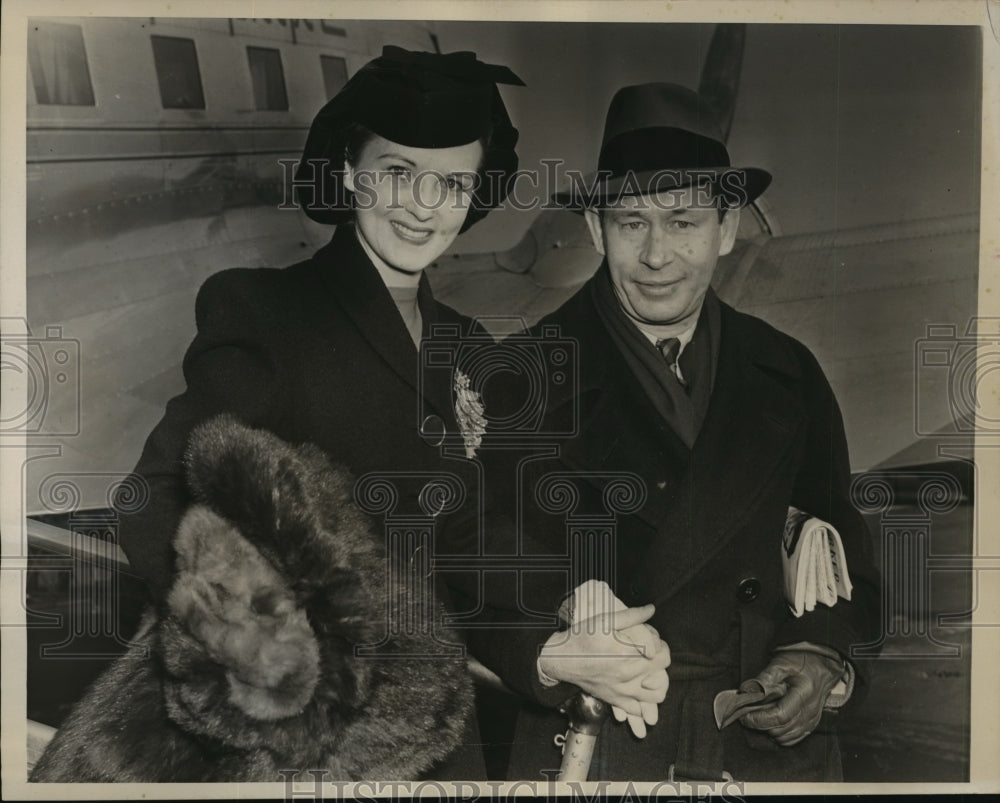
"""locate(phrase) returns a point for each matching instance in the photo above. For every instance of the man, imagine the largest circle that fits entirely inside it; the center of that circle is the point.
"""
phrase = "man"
(723, 424)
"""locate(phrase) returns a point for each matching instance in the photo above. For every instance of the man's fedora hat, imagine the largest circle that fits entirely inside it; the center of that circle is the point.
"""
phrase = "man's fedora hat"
(660, 137)
(418, 99)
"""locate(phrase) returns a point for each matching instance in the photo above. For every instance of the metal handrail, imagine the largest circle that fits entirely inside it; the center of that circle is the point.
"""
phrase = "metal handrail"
(77, 545)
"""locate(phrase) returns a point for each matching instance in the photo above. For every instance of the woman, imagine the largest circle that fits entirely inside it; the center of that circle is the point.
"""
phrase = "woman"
(326, 351)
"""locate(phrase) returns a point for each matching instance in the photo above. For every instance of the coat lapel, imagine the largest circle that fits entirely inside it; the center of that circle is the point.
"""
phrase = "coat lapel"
(696, 499)
(597, 368)
(752, 424)
(437, 386)
(360, 292)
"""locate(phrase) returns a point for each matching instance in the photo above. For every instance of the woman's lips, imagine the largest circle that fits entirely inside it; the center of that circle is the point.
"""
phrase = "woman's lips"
(410, 233)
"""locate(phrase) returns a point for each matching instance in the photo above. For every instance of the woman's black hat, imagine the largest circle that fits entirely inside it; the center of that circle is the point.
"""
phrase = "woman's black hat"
(418, 99)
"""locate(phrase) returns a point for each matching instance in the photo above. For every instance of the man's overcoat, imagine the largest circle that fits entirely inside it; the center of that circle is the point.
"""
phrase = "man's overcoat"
(696, 532)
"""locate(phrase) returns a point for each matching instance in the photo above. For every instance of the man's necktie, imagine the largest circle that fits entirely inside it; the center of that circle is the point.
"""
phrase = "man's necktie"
(670, 348)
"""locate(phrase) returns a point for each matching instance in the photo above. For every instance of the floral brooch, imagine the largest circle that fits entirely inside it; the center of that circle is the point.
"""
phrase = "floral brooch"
(469, 412)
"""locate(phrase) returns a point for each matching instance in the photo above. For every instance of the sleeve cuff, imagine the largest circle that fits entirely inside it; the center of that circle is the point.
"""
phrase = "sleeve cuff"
(544, 679)
(842, 690)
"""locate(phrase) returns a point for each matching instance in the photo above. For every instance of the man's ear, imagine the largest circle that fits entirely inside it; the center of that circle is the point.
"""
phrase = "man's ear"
(730, 225)
(593, 218)
(348, 176)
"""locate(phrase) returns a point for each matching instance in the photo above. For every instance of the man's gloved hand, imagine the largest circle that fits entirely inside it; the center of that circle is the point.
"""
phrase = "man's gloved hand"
(809, 677)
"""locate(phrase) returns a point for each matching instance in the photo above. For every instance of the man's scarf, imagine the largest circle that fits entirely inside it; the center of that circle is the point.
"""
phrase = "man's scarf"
(684, 410)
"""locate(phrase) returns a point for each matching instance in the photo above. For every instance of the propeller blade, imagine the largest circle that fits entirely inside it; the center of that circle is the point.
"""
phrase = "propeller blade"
(720, 75)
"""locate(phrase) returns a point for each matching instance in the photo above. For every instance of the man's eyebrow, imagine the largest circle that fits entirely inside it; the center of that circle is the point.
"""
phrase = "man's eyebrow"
(617, 211)
(683, 210)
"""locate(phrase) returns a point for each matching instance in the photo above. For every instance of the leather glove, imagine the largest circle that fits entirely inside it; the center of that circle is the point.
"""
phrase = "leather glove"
(808, 678)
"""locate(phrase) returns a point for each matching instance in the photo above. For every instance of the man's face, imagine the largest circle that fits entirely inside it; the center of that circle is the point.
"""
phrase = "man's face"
(662, 251)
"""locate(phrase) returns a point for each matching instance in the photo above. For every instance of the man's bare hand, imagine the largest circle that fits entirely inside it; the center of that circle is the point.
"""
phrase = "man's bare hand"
(617, 658)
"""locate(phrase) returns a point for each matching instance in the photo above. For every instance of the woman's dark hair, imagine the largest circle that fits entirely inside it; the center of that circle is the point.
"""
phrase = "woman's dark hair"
(356, 137)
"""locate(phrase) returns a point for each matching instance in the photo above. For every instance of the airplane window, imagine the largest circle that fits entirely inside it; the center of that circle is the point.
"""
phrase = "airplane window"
(268, 78)
(57, 59)
(334, 74)
(177, 72)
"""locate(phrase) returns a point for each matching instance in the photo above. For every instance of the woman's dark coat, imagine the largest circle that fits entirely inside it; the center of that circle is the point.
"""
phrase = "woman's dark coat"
(316, 352)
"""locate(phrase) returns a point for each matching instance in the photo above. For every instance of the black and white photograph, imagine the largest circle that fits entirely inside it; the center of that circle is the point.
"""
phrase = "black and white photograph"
(483, 399)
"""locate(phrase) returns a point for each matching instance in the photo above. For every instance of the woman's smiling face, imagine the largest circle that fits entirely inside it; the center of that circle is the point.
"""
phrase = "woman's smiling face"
(410, 203)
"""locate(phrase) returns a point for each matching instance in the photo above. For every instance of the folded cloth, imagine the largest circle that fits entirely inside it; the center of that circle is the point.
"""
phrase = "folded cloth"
(752, 695)
(812, 557)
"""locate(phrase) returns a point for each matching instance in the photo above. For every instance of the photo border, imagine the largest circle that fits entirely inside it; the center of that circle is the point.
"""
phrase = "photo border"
(984, 729)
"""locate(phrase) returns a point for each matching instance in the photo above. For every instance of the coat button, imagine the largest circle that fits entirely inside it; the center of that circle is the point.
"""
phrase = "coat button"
(432, 430)
(749, 589)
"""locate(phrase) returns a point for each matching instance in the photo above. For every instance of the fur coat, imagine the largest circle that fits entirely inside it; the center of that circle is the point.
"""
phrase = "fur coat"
(272, 650)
